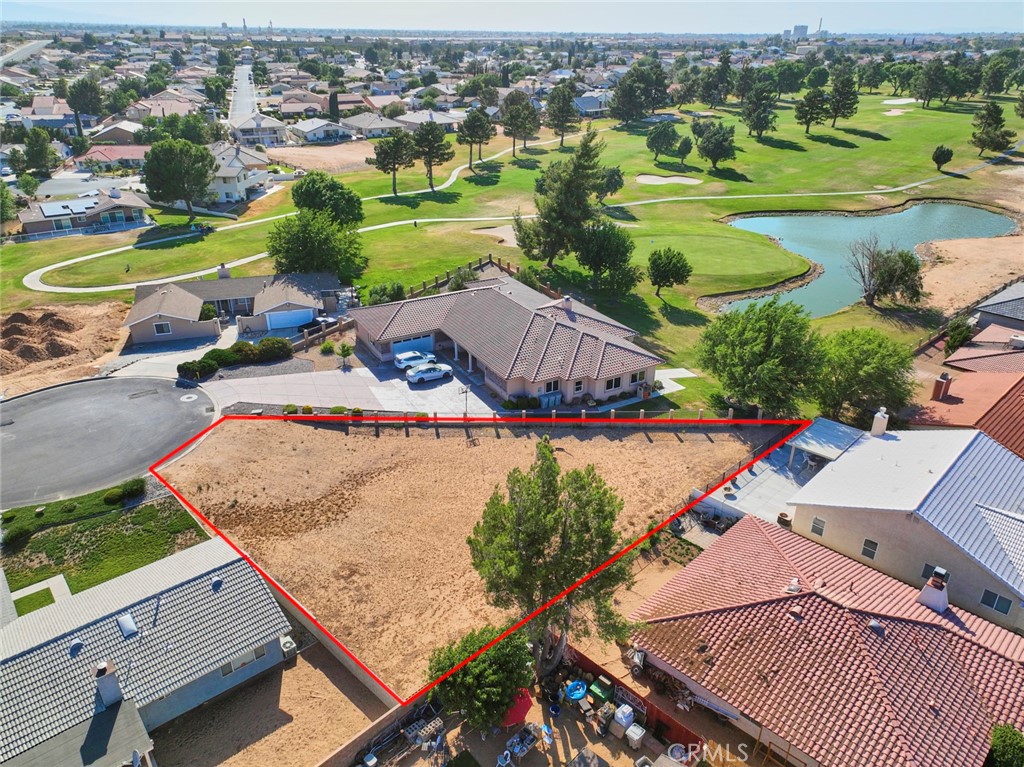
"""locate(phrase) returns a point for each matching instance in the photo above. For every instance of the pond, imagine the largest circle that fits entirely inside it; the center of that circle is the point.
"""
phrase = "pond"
(826, 238)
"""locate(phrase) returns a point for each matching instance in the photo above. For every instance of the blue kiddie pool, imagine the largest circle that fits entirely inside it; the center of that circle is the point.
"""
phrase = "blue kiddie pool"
(576, 690)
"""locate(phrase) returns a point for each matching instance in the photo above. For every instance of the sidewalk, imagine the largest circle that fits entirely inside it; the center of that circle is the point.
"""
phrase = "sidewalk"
(57, 585)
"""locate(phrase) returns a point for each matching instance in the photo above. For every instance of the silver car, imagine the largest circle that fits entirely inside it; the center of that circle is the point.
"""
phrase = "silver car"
(407, 360)
(430, 371)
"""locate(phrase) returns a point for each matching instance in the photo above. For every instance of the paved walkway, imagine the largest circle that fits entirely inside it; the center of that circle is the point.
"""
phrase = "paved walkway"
(57, 586)
(157, 364)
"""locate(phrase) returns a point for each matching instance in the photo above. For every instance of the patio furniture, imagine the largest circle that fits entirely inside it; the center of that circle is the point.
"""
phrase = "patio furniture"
(523, 741)
(505, 759)
(548, 734)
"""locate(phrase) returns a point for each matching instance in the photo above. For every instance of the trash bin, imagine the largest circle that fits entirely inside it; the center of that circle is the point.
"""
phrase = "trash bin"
(635, 736)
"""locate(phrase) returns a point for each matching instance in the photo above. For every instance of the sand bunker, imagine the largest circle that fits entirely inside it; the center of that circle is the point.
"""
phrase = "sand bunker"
(649, 178)
(896, 112)
(505, 235)
(900, 101)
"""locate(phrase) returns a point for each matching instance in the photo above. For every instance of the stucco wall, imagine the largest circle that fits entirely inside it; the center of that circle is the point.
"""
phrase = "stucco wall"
(905, 544)
(143, 333)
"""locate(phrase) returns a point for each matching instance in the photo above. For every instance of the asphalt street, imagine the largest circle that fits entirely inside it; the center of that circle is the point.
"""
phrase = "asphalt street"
(69, 440)
(243, 100)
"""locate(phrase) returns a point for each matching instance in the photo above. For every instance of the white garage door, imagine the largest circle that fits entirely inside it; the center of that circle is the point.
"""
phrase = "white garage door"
(417, 344)
(288, 319)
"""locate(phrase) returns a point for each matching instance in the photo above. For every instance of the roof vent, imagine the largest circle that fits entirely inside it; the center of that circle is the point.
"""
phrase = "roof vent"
(796, 612)
(876, 626)
(76, 647)
(880, 423)
(127, 625)
(217, 583)
(793, 587)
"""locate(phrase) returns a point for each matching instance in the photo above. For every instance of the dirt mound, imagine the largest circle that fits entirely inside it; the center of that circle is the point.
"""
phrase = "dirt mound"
(54, 321)
(17, 318)
(30, 353)
(60, 347)
(13, 331)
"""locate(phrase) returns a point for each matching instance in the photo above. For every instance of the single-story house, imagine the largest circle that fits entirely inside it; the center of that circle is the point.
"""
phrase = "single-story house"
(1005, 308)
(350, 101)
(85, 680)
(372, 125)
(998, 347)
(259, 129)
(111, 209)
(377, 103)
(122, 132)
(170, 311)
(523, 342)
(113, 156)
(318, 130)
(298, 109)
(412, 120)
(826, 662)
(240, 172)
(159, 108)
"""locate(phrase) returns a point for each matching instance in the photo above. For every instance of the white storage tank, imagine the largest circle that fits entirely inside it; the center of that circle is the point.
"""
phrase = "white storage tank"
(624, 716)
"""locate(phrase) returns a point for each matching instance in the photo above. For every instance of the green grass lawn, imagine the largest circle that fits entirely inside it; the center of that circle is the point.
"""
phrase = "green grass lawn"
(33, 601)
(39, 515)
(94, 550)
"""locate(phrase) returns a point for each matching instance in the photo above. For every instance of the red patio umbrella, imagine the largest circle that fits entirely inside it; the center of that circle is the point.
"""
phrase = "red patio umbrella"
(519, 709)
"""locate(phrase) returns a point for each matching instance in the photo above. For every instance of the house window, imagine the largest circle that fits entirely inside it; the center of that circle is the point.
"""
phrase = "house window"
(551, 387)
(577, 387)
(60, 224)
(161, 328)
(998, 603)
(636, 378)
(613, 383)
(818, 526)
(869, 549)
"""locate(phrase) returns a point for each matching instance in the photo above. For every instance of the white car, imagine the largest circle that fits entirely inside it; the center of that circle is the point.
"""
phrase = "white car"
(407, 360)
(431, 371)
(6, 171)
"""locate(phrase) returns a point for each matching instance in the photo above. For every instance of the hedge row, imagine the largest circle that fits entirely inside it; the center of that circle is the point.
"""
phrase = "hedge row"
(268, 349)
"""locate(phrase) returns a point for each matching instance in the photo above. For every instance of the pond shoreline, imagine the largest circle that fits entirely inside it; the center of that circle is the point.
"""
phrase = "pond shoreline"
(1017, 217)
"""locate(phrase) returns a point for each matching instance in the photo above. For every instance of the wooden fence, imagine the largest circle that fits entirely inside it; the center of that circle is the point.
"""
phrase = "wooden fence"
(329, 329)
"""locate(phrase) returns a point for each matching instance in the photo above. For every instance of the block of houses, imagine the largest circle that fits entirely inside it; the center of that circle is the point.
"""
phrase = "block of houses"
(259, 129)
(109, 157)
(826, 662)
(53, 112)
(170, 311)
(523, 342)
(372, 125)
(104, 211)
(240, 173)
(85, 680)
(121, 132)
(907, 503)
(320, 130)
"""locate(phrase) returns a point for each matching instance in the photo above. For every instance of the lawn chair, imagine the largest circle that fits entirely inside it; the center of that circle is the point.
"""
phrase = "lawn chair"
(548, 734)
(505, 759)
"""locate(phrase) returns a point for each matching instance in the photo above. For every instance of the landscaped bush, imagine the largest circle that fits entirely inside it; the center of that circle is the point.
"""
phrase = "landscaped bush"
(357, 411)
(224, 358)
(247, 352)
(658, 385)
(338, 410)
(273, 348)
(626, 395)
(462, 275)
(16, 534)
(68, 507)
(207, 312)
(385, 293)
(194, 370)
(508, 405)
(113, 496)
(528, 276)
(327, 347)
(307, 410)
(290, 409)
(133, 487)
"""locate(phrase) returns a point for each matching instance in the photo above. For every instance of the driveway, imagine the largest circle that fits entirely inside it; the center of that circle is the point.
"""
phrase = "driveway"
(377, 388)
(69, 440)
(162, 360)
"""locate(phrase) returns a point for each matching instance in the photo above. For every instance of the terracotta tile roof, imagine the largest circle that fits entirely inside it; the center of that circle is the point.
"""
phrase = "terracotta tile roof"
(970, 397)
(1004, 422)
(983, 359)
(850, 669)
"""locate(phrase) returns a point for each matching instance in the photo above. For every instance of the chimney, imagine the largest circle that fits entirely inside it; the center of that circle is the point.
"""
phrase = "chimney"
(223, 273)
(567, 303)
(115, 193)
(940, 388)
(106, 683)
(880, 422)
(933, 594)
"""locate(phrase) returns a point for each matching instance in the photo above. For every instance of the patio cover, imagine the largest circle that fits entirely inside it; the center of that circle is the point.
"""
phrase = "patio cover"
(520, 708)
(825, 438)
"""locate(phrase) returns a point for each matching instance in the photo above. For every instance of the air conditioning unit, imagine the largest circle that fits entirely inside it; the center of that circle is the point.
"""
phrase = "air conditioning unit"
(1017, 342)
(288, 647)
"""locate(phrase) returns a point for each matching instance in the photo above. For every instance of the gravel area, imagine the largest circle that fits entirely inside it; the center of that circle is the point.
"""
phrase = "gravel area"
(263, 369)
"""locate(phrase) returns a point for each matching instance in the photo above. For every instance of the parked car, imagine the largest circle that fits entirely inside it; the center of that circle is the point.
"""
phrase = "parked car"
(431, 371)
(407, 360)
(6, 171)
(299, 173)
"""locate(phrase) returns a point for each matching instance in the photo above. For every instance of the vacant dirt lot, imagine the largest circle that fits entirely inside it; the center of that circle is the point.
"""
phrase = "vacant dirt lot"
(962, 271)
(51, 344)
(333, 159)
(369, 533)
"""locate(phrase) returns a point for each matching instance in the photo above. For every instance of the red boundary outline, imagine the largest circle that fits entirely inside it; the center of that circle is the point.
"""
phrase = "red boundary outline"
(367, 420)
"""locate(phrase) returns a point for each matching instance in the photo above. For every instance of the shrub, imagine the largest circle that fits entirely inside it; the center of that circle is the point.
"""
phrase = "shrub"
(534, 403)
(68, 507)
(528, 276)
(133, 487)
(658, 385)
(462, 275)
(224, 358)
(626, 395)
(385, 293)
(508, 405)
(290, 409)
(357, 411)
(307, 410)
(957, 334)
(207, 312)
(338, 410)
(247, 352)
(273, 348)
(327, 347)
(196, 369)
(113, 496)
(16, 534)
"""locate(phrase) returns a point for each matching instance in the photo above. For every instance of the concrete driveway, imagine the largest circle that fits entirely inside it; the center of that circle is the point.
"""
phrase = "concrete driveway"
(69, 440)
(377, 388)
(162, 360)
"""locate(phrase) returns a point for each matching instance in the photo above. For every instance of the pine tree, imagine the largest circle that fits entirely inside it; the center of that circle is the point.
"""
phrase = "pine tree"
(812, 109)
(563, 117)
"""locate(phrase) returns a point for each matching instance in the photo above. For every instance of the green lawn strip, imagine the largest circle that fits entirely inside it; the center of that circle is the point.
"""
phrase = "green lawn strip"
(33, 601)
(59, 512)
(94, 550)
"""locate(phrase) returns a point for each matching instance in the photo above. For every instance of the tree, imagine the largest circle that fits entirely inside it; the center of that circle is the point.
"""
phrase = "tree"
(385, 293)
(563, 117)
(1007, 747)
(344, 350)
(684, 148)
(627, 102)
(991, 132)
(520, 118)
(17, 160)
(759, 109)
(547, 533)
(958, 332)
(477, 129)
(667, 267)
(318, 190)
(941, 156)
(38, 152)
(432, 148)
(812, 109)
(176, 169)
(663, 137)
(394, 109)
(177, 57)
(718, 143)
(1018, 107)
(333, 111)
(788, 77)
(843, 100)
(611, 182)
(816, 78)
(393, 153)
(485, 688)
(85, 97)
(929, 82)
(312, 242)
(60, 88)
(884, 272)
(603, 247)
(767, 354)
(28, 184)
(861, 369)
(8, 209)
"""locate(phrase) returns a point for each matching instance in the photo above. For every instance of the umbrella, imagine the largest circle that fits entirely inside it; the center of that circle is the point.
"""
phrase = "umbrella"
(519, 709)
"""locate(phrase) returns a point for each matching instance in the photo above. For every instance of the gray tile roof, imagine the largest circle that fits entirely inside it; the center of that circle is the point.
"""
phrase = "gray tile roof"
(187, 629)
(1006, 303)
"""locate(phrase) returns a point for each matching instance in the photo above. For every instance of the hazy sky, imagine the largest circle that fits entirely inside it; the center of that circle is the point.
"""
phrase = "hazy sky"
(681, 16)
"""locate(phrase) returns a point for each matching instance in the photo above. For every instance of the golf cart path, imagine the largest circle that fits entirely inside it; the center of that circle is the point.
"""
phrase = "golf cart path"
(34, 279)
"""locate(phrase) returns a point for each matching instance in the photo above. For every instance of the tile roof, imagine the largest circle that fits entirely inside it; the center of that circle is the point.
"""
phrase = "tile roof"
(1008, 302)
(970, 397)
(1004, 422)
(990, 359)
(188, 628)
(851, 670)
(244, 287)
(115, 153)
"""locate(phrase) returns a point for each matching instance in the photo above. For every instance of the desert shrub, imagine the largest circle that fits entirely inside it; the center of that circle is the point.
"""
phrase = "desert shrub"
(307, 410)
(224, 358)
(327, 347)
(247, 352)
(113, 496)
(273, 348)
(207, 312)
(338, 410)
(133, 487)
(68, 507)
(290, 409)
